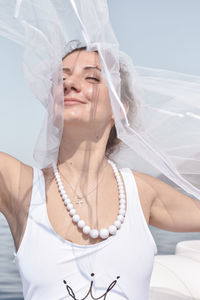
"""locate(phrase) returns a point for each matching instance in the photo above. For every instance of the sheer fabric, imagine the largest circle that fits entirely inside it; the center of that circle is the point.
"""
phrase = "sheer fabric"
(161, 128)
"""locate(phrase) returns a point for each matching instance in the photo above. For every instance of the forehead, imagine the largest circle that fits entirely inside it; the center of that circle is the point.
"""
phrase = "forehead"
(82, 58)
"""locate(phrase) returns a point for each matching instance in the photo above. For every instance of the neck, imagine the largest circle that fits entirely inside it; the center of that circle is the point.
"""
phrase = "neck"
(82, 153)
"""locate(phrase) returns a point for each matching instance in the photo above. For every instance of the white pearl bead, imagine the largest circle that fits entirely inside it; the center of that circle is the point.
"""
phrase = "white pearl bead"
(94, 233)
(61, 188)
(81, 223)
(122, 196)
(120, 218)
(76, 218)
(117, 223)
(63, 192)
(86, 229)
(104, 233)
(72, 212)
(122, 206)
(122, 212)
(67, 201)
(122, 201)
(112, 229)
(69, 206)
(65, 197)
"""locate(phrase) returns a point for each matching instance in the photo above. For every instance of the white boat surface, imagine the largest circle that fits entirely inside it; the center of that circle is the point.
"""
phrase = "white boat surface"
(177, 277)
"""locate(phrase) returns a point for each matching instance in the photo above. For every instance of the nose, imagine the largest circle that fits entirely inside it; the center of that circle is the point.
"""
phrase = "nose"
(71, 84)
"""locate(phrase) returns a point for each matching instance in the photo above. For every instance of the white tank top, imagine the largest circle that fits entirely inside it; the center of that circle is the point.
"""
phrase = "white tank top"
(119, 267)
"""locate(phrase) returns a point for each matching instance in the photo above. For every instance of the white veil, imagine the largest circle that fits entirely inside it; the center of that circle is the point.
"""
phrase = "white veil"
(161, 103)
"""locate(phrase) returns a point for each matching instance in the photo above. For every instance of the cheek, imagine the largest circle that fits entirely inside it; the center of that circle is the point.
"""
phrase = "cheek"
(98, 97)
(91, 92)
(103, 104)
(106, 99)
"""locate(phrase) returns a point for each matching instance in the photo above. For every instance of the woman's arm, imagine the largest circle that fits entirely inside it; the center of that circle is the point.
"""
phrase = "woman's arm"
(170, 209)
(9, 173)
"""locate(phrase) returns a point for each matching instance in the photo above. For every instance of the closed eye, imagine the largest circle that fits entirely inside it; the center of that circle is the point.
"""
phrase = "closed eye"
(89, 77)
(93, 78)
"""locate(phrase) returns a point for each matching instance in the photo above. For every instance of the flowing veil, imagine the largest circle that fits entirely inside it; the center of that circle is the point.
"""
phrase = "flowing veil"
(160, 133)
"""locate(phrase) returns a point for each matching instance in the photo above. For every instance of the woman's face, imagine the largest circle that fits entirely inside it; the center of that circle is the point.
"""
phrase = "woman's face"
(85, 92)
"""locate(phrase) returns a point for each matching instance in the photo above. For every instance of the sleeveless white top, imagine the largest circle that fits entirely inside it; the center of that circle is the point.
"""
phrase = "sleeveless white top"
(119, 267)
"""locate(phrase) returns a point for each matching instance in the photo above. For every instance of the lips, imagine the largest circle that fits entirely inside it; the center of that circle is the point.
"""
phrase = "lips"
(73, 101)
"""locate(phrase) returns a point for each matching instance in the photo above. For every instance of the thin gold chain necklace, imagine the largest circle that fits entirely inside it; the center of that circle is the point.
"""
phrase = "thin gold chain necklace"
(81, 199)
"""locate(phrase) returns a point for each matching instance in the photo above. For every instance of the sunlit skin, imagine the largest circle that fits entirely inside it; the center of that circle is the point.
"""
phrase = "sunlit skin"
(87, 124)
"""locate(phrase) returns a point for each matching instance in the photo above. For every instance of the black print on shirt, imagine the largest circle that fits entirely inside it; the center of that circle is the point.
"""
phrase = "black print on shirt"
(71, 292)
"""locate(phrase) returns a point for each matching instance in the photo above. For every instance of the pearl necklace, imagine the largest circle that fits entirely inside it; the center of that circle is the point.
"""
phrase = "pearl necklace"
(94, 233)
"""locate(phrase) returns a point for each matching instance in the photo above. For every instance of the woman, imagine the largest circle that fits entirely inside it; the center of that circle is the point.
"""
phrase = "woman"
(58, 259)
(57, 254)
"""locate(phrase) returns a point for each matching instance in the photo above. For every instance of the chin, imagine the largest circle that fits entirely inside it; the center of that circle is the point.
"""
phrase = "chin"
(83, 117)
(71, 114)
(76, 119)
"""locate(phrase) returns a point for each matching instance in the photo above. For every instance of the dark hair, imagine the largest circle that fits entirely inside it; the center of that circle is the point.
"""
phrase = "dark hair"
(113, 141)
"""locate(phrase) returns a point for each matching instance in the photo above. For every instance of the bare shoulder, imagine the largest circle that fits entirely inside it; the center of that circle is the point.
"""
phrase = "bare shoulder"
(8, 162)
(146, 183)
(11, 172)
(146, 190)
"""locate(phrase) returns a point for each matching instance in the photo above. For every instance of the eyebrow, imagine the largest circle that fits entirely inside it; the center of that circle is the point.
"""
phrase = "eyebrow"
(85, 68)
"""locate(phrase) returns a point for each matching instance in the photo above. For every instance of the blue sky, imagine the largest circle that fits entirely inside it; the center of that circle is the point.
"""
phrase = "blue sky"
(159, 33)
(155, 33)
